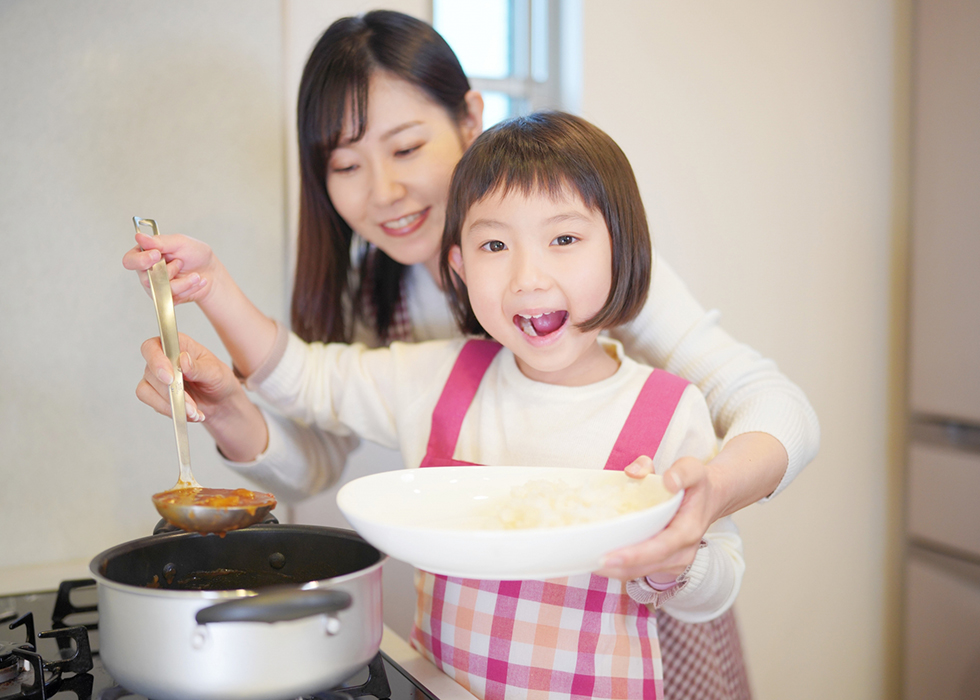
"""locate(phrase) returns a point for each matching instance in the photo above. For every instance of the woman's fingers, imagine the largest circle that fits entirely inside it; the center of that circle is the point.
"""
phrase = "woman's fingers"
(668, 552)
(640, 468)
(684, 473)
(154, 388)
(148, 394)
(673, 549)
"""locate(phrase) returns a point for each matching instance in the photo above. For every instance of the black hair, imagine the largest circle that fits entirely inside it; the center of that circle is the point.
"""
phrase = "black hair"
(333, 90)
(554, 152)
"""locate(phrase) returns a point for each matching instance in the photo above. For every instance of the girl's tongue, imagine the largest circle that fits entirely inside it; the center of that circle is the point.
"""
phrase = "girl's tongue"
(542, 324)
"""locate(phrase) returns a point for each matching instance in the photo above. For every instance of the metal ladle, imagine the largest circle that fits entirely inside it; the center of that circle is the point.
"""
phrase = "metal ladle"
(188, 505)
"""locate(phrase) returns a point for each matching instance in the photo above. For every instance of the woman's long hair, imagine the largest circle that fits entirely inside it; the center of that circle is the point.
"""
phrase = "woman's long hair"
(334, 86)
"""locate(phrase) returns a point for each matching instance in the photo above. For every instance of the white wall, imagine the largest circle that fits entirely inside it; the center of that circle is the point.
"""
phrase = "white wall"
(770, 154)
(109, 110)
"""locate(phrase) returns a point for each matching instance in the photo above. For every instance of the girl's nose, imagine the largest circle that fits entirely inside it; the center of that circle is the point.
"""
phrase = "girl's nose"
(527, 275)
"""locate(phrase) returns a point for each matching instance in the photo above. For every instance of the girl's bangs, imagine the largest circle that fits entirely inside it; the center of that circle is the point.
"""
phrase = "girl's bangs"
(555, 177)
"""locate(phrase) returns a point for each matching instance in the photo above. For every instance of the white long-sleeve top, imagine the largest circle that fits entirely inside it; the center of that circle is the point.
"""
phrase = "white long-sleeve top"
(745, 392)
(388, 396)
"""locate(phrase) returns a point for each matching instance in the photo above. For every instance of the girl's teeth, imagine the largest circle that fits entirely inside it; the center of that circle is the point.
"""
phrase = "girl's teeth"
(542, 324)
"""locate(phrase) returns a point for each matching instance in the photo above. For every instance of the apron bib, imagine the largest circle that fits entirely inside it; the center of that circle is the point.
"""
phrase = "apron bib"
(576, 637)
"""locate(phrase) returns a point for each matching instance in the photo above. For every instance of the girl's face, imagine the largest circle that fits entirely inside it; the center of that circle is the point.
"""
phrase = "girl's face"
(534, 267)
(391, 186)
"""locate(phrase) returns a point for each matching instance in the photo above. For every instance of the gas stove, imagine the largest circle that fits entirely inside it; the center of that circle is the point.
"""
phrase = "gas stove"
(49, 648)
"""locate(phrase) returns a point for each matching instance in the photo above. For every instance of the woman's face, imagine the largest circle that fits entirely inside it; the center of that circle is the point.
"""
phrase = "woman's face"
(392, 185)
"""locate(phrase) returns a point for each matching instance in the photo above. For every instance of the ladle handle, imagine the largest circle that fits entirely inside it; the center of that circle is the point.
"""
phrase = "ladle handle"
(163, 301)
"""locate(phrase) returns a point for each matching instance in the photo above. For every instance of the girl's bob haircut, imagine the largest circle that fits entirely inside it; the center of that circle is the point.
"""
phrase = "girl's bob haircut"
(556, 154)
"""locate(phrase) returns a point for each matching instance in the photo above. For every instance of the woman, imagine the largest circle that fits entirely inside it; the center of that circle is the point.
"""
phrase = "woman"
(384, 114)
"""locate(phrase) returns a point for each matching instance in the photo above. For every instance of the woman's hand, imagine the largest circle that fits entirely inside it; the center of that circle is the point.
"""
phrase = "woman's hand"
(747, 469)
(213, 395)
(191, 265)
(667, 554)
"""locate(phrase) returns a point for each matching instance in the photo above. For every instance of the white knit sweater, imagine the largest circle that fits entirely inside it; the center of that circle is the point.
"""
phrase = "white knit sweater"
(745, 392)
(388, 396)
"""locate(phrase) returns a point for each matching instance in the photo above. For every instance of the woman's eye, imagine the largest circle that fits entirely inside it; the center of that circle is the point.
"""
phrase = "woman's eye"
(494, 246)
(407, 151)
(564, 240)
(343, 168)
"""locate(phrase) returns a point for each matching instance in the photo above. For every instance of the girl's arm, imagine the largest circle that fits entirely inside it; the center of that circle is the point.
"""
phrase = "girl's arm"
(196, 274)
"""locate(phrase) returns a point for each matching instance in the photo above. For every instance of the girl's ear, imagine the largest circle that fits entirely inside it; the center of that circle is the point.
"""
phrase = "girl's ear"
(456, 262)
(472, 124)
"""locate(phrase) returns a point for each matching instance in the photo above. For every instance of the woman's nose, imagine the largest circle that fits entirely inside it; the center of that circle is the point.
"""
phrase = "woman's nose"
(387, 187)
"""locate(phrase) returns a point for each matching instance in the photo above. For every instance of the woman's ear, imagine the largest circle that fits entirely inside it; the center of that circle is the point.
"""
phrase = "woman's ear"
(456, 262)
(472, 124)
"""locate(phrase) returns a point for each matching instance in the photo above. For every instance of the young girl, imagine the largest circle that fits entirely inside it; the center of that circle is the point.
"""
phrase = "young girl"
(384, 114)
(545, 246)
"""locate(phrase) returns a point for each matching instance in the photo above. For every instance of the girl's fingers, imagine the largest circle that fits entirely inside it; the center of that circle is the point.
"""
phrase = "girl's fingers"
(183, 287)
(140, 260)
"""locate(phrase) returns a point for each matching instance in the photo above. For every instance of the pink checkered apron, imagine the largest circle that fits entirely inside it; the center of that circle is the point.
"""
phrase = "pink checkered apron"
(575, 637)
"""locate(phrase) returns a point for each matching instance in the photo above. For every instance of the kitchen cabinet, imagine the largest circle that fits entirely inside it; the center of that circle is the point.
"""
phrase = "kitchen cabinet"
(942, 566)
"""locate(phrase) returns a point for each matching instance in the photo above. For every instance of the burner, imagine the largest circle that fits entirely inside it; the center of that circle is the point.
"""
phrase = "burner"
(11, 665)
(24, 674)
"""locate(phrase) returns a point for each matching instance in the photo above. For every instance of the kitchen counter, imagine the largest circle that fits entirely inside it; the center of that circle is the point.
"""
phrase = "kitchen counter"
(437, 682)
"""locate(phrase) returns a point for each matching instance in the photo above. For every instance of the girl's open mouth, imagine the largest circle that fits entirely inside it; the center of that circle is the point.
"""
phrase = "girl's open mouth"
(541, 324)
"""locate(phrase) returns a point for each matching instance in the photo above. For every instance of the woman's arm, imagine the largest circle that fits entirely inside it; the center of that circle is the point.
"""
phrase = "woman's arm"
(290, 459)
(748, 397)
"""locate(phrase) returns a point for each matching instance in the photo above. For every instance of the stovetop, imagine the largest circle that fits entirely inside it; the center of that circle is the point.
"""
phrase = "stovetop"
(60, 635)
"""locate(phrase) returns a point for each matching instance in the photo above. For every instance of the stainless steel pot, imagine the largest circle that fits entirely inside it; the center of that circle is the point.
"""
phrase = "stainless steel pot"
(267, 612)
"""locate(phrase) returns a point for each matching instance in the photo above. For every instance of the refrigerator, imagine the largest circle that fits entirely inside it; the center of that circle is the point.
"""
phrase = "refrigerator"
(941, 629)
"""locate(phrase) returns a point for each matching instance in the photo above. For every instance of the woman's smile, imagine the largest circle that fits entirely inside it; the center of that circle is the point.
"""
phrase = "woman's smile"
(407, 224)
(391, 183)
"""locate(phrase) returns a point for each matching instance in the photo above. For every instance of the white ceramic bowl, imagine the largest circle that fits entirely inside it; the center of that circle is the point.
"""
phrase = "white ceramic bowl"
(440, 519)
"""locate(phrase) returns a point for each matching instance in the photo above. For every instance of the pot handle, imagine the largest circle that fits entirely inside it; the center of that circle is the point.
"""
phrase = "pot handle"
(276, 606)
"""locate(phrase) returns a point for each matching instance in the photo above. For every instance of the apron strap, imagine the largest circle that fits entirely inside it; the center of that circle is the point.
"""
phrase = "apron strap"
(648, 420)
(461, 387)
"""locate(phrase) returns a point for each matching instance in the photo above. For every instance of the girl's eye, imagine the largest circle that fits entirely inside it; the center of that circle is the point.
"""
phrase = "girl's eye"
(564, 240)
(493, 246)
(343, 169)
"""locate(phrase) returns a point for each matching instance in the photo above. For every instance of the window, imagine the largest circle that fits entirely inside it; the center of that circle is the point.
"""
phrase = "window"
(518, 53)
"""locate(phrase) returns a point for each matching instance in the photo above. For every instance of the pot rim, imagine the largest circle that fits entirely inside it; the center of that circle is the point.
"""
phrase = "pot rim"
(96, 564)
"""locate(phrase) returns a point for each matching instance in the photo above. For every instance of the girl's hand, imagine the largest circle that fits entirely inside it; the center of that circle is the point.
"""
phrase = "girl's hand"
(212, 395)
(191, 265)
(667, 554)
